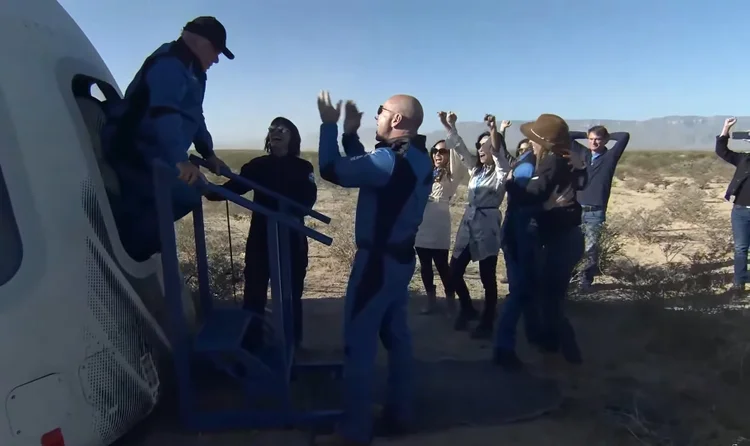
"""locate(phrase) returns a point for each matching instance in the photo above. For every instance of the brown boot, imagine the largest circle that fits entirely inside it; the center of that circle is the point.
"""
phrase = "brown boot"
(431, 305)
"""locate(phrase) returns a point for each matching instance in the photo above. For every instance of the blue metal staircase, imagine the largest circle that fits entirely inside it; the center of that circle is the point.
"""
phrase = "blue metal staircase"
(267, 373)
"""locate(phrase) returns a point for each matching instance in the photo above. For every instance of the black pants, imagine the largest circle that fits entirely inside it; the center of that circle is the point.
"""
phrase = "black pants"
(487, 274)
(440, 257)
(257, 277)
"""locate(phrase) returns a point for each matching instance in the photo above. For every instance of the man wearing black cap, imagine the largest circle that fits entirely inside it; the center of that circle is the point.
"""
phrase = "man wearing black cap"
(159, 118)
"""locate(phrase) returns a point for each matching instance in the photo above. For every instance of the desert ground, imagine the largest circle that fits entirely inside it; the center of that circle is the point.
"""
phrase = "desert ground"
(664, 344)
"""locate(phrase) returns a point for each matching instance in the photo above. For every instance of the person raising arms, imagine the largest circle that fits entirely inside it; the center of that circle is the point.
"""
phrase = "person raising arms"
(738, 193)
(394, 182)
(434, 236)
(601, 163)
(479, 238)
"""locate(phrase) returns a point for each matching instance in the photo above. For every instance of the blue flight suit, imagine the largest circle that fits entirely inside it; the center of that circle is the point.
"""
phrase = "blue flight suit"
(395, 181)
(521, 249)
(160, 117)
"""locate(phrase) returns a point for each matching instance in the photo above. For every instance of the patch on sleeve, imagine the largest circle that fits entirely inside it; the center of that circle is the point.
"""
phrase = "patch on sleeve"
(311, 177)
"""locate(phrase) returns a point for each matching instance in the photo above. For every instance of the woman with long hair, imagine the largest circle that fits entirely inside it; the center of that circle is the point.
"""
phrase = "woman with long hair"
(558, 175)
(281, 170)
(433, 240)
(478, 238)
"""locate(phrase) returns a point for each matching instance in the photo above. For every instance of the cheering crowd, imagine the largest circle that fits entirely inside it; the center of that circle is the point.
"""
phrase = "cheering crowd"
(557, 194)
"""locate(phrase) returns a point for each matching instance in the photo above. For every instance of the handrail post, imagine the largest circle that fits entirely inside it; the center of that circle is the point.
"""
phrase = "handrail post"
(201, 261)
(278, 304)
(178, 329)
(287, 290)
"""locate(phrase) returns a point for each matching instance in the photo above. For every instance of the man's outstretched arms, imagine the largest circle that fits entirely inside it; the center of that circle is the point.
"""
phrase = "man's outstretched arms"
(372, 169)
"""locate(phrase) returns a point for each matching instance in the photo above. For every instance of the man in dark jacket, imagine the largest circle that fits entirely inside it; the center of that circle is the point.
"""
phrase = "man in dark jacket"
(601, 163)
(738, 193)
(159, 118)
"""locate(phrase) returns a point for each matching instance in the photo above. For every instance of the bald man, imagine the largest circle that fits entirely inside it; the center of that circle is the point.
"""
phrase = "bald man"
(395, 181)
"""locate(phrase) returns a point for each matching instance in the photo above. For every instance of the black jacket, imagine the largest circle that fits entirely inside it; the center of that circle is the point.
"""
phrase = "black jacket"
(290, 176)
(553, 188)
(742, 163)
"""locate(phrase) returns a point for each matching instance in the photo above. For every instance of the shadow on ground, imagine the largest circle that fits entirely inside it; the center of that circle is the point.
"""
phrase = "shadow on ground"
(651, 376)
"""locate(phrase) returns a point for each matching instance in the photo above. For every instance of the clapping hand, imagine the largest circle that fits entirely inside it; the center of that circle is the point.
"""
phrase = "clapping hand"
(352, 118)
(328, 113)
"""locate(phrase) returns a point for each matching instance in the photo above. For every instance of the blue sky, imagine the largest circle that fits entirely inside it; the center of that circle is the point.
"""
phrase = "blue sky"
(611, 59)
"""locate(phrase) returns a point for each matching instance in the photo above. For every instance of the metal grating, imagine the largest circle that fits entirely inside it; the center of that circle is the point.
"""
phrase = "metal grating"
(121, 401)
(90, 204)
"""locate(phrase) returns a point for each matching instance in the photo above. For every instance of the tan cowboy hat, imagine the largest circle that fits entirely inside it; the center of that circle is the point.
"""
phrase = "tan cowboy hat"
(550, 131)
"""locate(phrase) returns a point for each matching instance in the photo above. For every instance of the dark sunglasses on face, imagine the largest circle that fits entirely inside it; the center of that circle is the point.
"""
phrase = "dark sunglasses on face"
(381, 109)
(277, 128)
(440, 151)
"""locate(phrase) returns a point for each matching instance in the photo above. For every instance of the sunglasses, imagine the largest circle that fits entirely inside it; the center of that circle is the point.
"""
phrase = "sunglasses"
(440, 151)
(381, 109)
(277, 128)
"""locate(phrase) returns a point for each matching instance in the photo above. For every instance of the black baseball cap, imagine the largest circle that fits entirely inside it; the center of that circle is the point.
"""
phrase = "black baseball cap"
(212, 30)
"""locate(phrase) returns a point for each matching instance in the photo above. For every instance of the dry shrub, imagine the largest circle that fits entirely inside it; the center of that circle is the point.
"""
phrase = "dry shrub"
(682, 282)
(673, 247)
(611, 247)
(645, 224)
(686, 203)
(225, 272)
(341, 229)
(636, 184)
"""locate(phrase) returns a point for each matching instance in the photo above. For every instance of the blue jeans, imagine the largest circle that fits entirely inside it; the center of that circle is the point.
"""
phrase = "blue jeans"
(560, 254)
(521, 250)
(741, 235)
(376, 304)
(592, 222)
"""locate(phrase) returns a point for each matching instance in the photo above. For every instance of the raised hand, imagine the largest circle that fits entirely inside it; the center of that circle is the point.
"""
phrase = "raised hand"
(452, 118)
(505, 124)
(730, 122)
(328, 113)
(352, 117)
(444, 119)
(490, 121)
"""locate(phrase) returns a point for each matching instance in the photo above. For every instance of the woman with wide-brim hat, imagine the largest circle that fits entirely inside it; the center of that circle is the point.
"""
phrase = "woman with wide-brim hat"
(552, 189)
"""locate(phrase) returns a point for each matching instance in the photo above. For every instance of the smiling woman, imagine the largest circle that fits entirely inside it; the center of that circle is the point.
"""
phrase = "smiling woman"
(478, 238)
(284, 172)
